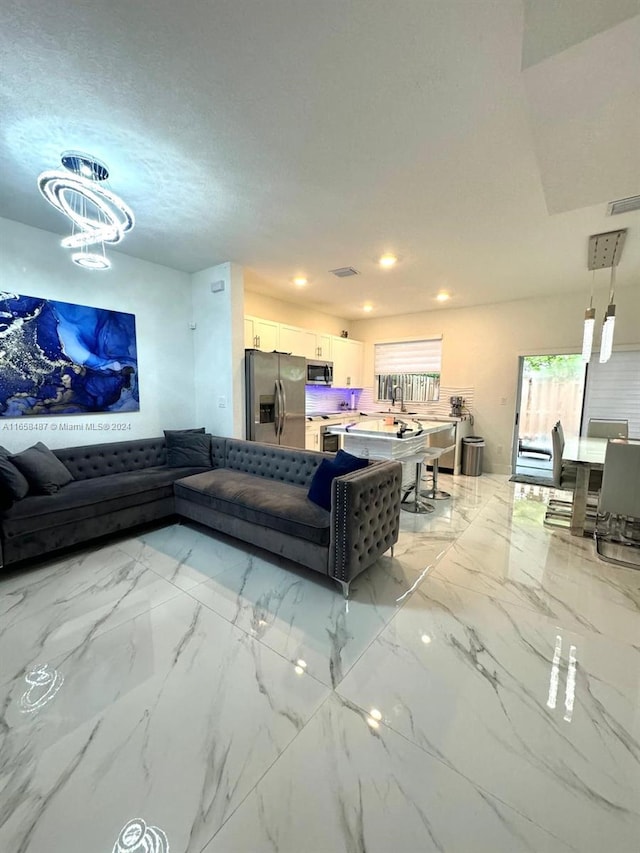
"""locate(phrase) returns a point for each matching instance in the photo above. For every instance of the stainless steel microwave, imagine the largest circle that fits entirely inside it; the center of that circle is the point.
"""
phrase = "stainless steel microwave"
(319, 372)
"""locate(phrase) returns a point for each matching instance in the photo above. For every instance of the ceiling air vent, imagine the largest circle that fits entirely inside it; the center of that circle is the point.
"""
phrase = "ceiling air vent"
(344, 272)
(623, 205)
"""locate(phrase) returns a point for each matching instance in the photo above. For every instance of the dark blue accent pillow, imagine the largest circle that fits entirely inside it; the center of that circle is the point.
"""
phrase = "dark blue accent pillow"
(327, 471)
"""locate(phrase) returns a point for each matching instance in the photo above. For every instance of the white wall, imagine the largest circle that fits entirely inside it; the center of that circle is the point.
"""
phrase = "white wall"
(33, 263)
(219, 349)
(481, 345)
(259, 305)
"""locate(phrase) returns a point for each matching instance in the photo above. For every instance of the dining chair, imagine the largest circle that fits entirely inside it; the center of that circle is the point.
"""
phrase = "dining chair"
(600, 428)
(618, 519)
(558, 512)
(564, 476)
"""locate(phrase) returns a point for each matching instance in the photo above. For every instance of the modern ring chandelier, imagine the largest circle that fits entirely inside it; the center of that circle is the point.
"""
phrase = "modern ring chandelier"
(98, 215)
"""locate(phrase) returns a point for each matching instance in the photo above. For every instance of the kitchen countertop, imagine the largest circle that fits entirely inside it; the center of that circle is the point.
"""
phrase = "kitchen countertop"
(451, 419)
(325, 416)
(375, 439)
(375, 415)
(377, 428)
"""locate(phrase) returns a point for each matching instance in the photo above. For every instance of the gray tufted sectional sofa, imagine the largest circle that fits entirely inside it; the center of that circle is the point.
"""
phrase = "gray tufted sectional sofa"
(254, 492)
(258, 493)
(116, 486)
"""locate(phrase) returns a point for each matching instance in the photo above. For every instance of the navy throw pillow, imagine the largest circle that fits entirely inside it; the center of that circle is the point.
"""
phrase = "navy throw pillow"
(327, 471)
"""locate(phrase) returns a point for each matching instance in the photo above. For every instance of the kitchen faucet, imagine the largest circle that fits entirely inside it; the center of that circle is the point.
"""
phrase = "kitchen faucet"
(393, 397)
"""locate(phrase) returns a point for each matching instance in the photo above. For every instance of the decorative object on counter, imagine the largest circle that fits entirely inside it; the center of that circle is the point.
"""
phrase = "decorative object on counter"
(457, 406)
(59, 358)
(97, 214)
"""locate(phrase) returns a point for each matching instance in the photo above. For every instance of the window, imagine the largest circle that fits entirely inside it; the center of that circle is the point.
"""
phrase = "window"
(414, 366)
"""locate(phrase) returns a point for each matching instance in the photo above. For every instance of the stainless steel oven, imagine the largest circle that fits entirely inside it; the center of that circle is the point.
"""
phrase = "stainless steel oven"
(319, 372)
(329, 443)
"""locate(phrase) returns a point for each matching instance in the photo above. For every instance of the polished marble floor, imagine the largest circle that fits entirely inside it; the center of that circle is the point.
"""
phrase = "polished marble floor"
(175, 691)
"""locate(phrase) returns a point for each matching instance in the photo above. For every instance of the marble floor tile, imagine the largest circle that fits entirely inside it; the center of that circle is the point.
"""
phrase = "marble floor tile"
(304, 616)
(185, 554)
(62, 605)
(508, 554)
(346, 785)
(543, 718)
(173, 690)
(171, 717)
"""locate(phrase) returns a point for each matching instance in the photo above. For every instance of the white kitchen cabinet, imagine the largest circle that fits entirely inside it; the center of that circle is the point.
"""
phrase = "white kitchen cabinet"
(261, 334)
(348, 362)
(451, 461)
(312, 436)
(297, 341)
(322, 347)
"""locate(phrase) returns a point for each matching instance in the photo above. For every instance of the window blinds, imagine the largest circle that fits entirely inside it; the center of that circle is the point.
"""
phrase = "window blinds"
(613, 390)
(408, 357)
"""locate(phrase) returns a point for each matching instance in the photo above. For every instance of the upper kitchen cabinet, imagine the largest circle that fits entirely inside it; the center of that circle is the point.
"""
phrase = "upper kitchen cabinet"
(348, 363)
(322, 347)
(297, 341)
(262, 334)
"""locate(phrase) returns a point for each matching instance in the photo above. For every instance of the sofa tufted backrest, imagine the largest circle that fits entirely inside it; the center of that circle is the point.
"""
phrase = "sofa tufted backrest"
(287, 464)
(96, 460)
(218, 451)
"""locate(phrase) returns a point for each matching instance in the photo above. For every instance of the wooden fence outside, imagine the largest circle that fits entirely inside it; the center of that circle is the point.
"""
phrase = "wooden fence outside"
(545, 401)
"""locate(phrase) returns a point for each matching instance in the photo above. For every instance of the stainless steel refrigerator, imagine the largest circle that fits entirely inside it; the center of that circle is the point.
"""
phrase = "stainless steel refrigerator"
(275, 405)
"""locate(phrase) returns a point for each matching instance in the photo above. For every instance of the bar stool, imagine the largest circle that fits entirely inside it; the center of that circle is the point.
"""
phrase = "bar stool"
(432, 455)
(416, 506)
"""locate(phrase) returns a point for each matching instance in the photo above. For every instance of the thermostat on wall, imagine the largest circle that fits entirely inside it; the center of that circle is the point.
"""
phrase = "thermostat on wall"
(217, 286)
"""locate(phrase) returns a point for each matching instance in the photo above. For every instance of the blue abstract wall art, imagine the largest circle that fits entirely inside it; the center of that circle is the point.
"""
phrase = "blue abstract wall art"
(57, 358)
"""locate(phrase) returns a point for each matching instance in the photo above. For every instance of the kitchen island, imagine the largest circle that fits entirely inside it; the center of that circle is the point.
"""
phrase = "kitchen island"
(404, 440)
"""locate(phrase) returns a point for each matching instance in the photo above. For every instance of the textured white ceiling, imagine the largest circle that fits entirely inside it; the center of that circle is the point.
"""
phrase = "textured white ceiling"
(296, 137)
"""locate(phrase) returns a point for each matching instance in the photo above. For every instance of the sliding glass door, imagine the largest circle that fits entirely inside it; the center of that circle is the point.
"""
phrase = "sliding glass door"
(551, 389)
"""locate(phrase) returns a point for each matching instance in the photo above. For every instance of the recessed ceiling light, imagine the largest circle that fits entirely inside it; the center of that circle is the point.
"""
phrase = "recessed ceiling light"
(388, 260)
(442, 297)
(367, 308)
(300, 281)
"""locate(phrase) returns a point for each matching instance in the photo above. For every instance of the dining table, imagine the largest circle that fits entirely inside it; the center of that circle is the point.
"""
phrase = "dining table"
(587, 454)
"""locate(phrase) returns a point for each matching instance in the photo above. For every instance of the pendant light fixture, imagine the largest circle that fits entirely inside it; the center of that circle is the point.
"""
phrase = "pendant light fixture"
(97, 214)
(608, 325)
(589, 323)
(604, 252)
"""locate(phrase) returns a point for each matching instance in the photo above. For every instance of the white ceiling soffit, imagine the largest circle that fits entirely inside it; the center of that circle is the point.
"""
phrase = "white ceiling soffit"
(297, 137)
(552, 26)
(587, 134)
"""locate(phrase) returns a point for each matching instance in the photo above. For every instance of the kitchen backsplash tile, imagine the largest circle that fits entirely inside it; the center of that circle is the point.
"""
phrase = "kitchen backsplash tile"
(319, 399)
(439, 408)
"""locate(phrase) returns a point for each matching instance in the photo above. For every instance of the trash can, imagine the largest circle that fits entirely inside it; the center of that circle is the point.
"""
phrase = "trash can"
(472, 453)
